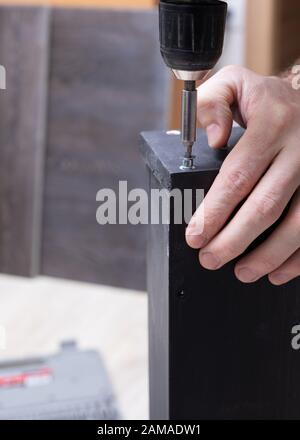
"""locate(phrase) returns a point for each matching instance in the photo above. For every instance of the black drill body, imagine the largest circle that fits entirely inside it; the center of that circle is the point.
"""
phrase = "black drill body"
(191, 42)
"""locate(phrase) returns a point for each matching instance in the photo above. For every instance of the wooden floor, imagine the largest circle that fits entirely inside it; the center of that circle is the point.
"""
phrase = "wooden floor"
(39, 314)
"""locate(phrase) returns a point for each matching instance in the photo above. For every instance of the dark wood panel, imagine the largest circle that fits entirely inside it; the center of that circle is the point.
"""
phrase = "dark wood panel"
(219, 349)
(107, 83)
(24, 37)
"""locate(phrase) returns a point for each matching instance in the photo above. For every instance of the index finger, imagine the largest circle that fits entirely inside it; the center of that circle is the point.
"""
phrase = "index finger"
(241, 171)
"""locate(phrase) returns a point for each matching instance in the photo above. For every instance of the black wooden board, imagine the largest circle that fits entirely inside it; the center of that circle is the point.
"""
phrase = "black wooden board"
(219, 349)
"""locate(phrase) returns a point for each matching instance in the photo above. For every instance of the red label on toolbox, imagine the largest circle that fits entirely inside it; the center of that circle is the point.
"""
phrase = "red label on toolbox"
(31, 378)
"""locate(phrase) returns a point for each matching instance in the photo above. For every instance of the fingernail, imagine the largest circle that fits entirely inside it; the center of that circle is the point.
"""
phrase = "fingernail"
(213, 133)
(210, 261)
(193, 234)
(246, 275)
(279, 279)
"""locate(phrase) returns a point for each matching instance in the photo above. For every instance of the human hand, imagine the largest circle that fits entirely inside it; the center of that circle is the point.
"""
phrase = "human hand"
(262, 171)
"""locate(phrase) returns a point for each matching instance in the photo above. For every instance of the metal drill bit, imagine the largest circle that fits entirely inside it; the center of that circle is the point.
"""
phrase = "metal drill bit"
(189, 122)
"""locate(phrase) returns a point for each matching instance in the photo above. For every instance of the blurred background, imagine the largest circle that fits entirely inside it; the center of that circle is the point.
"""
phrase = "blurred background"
(84, 78)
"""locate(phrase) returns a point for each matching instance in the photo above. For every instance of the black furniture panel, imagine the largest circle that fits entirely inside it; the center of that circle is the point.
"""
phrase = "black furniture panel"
(219, 349)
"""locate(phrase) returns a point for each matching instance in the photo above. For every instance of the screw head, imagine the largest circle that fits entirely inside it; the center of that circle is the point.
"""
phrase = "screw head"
(188, 164)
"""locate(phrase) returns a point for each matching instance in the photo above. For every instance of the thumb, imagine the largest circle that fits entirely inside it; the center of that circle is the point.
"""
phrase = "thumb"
(215, 99)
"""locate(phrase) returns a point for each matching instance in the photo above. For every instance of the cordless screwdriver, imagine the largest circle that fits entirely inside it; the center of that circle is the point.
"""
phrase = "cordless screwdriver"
(191, 42)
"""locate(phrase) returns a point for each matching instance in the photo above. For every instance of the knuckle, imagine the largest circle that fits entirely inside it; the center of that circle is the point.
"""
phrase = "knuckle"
(268, 207)
(207, 105)
(229, 250)
(258, 93)
(267, 265)
(231, 69)
(282, 114)
(211, 222)
(233, 249)
(238, 182)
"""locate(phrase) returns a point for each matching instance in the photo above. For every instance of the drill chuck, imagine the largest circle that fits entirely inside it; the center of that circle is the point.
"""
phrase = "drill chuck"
(192, 33)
